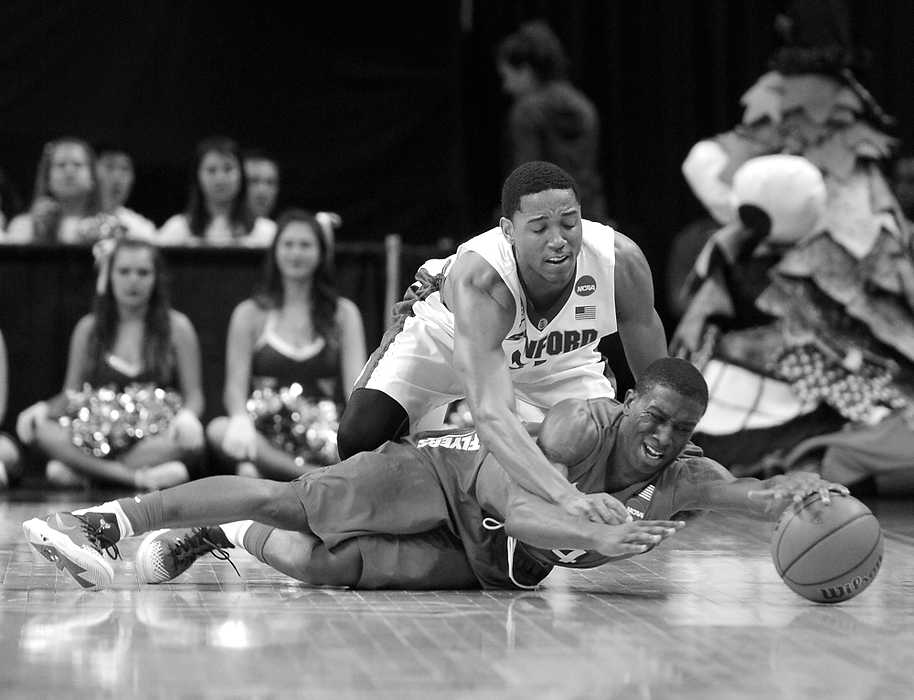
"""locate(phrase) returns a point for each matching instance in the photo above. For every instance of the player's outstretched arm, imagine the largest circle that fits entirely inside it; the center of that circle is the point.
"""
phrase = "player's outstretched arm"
(640, 328)
(483, 315)
(534, 521)
(703, 484)
(537, 522)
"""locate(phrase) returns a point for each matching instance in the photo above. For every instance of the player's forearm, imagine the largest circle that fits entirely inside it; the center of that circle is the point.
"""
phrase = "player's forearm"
(644, 341)
(504, 435)
(542, 524)
(490, 394)
(733, 497)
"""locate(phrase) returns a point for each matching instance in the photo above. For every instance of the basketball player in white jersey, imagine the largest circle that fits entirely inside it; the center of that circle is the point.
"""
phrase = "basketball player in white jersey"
(511, 321)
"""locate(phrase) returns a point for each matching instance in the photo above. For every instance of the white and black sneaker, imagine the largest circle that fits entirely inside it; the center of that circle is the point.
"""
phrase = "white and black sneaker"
(164, 555)
(75, 543)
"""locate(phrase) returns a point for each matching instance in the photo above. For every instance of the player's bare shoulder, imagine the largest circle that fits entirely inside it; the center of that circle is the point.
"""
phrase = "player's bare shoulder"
(630, 259)
(632, 272)
(698, 470)
(471, 279)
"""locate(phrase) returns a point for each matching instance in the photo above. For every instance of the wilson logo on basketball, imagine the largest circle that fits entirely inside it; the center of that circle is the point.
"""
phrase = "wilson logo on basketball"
(850, 588)
(585, 286)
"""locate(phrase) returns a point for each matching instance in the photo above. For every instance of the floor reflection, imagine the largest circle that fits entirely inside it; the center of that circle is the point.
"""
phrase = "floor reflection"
(566, 644)
(694, 620)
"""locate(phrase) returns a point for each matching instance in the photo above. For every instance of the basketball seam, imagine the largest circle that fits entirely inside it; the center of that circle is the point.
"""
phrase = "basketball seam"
(843, 573)
(777, 547)
(800, 555)
(777, 550)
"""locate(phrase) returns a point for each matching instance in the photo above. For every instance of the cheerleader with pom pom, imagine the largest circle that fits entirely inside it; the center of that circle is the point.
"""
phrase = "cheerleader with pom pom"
(293, 353)
(129, 412)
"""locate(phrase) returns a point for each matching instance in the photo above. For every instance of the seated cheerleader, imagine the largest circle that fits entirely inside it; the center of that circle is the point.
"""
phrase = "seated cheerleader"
(10, 460)
(129, 412)
(293, 353)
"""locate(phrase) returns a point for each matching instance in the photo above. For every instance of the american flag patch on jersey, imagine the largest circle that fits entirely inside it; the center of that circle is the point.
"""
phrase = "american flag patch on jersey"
(638, 504)
(584, 313)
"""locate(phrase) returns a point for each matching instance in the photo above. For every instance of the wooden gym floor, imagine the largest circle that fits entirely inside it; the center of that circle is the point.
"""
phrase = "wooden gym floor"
(705, 616)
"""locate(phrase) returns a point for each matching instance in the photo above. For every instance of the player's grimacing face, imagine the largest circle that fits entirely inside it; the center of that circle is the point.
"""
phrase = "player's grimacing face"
(658, 426)
(546, 234)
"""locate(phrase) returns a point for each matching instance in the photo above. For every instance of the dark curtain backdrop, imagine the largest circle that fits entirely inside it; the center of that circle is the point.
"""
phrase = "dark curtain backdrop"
(361, 101)
(392, 113)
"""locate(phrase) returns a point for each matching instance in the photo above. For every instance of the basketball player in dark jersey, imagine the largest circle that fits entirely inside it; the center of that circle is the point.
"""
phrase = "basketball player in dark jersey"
(436, 511)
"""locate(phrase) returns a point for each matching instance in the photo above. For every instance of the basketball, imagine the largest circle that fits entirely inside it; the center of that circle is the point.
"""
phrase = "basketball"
(827, 553)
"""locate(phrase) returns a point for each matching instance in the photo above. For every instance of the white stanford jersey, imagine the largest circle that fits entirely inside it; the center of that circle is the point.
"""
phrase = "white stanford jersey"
(569, 341)
(414, 364)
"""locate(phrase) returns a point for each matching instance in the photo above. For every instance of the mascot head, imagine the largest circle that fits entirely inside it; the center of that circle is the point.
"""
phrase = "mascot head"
(781, 196)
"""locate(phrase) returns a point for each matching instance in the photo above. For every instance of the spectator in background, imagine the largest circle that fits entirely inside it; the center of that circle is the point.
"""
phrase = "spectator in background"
(298, 345)
(262, 173)
(550, 119)
(10, 201)
(115, 174)
(65, 203)
(132, 394)
(10, 459)
(216, 209)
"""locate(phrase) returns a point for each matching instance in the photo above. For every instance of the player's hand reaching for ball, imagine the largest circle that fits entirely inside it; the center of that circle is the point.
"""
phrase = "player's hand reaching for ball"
(782, 490)
(635, 537)
(597, 507)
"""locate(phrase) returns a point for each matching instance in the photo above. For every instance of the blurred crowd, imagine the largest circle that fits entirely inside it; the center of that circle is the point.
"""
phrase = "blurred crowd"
(81, 193)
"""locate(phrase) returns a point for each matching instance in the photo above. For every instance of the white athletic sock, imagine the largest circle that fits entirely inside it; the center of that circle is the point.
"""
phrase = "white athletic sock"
(235, 531)
(123, 523)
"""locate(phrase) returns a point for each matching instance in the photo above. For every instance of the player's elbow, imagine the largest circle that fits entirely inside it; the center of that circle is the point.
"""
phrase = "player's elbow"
(519, 512)
(514, 526)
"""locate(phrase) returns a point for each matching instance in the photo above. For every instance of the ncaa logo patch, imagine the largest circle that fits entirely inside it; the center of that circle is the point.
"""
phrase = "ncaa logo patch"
(585, 286)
